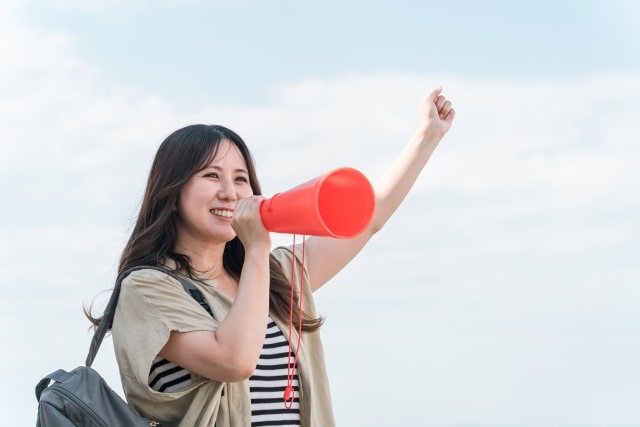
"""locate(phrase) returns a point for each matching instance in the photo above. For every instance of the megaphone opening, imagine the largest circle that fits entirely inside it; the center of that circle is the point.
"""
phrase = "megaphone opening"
(338, 204)
(345, 202)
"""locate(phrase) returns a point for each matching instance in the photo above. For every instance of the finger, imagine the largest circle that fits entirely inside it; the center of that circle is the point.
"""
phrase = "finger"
(444, 110)
(433, 94)
(440, 101)
(450, 115)
(252, 204)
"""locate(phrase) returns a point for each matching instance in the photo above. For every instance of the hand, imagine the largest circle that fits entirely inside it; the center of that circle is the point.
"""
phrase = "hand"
(436, 113)
(247, 222)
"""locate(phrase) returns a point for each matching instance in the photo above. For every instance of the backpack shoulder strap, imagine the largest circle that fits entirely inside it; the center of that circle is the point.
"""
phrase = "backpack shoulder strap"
(189, 287)
(107, 319)
(60, 375)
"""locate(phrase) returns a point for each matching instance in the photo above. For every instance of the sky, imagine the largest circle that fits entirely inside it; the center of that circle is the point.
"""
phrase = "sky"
(504, 291)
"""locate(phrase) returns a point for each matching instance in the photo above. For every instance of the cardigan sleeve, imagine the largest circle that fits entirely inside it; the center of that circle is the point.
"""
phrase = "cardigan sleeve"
(150, 306)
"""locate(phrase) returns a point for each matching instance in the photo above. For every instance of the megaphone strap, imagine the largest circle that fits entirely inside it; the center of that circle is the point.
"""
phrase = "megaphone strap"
(289, 394)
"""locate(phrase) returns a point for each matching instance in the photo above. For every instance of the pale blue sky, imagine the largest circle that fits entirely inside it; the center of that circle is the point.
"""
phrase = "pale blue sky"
(234, 51)
(504, 292)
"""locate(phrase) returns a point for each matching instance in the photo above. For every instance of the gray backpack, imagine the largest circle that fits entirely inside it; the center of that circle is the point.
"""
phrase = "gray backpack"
(82, 397)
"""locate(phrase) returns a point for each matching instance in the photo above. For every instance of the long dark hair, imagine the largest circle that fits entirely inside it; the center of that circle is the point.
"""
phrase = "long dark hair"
(153, 239)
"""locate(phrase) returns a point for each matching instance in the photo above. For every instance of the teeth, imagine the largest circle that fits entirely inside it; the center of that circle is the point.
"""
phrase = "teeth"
(222, 212)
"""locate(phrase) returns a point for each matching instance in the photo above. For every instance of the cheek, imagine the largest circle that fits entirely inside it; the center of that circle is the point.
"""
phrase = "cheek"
(188, 199)
(245, 192)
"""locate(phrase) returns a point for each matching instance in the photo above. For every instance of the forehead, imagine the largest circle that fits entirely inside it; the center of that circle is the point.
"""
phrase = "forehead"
(227, 153)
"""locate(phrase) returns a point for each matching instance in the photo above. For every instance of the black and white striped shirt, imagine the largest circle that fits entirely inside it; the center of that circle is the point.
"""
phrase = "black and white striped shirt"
(266, 385)
(167, 377)
(268, 382)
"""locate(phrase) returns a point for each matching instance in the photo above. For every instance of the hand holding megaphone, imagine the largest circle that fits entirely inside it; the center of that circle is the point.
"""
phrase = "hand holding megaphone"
(338, 204)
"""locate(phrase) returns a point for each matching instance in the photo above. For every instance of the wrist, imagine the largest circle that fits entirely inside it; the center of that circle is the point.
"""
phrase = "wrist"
(258, 249)
(427, 135)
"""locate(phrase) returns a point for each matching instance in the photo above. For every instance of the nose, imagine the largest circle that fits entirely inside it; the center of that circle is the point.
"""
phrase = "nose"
(227, 191)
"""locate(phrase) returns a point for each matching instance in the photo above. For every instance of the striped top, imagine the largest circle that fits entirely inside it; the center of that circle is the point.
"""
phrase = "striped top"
(167, 377)
(266, 385)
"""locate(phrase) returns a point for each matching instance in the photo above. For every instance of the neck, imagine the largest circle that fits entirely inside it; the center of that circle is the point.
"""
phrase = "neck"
(205, 258)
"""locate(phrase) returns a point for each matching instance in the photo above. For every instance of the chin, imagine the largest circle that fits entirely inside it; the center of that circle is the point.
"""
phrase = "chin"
(223, 237)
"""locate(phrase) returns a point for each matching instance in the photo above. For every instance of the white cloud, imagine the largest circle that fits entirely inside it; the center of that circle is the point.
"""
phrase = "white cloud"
(505, 265)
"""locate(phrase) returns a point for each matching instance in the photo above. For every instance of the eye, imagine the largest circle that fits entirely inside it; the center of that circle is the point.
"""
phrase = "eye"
(242, 179)
(211, 175)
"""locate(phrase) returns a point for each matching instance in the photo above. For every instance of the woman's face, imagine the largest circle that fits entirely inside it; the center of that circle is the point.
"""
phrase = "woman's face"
(207, 201)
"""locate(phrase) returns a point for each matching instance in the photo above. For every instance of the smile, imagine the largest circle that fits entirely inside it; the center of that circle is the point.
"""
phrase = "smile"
(222, 212)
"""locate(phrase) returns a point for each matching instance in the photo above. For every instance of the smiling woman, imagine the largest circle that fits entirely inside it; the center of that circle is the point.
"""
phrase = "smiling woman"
(200, 217)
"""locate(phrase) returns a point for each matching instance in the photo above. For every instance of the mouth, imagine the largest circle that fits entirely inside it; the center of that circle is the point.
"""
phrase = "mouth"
(225, 213)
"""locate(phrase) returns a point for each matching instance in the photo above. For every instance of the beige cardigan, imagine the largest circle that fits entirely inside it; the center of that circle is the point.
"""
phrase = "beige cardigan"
(152, 304)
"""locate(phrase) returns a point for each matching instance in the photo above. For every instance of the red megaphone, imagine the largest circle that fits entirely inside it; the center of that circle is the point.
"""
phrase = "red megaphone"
(339, 204)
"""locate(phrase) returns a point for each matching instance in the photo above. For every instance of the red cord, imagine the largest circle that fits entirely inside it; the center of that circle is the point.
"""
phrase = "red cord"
(289, 392)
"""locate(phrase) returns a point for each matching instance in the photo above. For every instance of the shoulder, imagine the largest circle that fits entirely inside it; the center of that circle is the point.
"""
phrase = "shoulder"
(149, 277)
(153, 286)
(293, 261)
(151, 297)
(286, 255)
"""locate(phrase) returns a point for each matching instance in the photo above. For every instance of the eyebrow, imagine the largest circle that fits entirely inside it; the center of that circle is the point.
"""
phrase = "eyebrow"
(235, 170)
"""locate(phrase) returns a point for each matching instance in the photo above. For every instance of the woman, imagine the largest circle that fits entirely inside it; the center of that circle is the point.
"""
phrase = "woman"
(200, 218)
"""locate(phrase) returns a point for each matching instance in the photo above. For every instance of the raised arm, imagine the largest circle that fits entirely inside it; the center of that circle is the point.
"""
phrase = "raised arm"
(327, 256)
